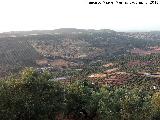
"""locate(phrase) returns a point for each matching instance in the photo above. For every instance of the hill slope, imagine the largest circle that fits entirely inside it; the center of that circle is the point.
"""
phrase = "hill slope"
(72, 46)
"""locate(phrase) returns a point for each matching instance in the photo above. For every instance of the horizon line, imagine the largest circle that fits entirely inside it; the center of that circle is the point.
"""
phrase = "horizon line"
(80, 29)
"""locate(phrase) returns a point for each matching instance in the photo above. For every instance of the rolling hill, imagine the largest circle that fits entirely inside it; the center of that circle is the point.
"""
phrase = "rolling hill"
(72, 46)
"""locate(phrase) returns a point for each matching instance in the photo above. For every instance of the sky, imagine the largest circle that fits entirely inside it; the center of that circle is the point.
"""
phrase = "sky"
(24, 15)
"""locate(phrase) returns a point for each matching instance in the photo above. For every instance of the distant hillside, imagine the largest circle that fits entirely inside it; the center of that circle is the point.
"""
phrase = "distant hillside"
(56, 31)
(70, 45)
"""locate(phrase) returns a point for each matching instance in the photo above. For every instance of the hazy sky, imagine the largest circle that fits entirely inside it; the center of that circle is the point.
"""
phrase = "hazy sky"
(16, 15)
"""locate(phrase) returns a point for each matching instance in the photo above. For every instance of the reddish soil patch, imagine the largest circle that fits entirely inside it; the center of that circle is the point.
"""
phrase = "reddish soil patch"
(140, 51)
(42, 62)
(60, 63)
(138, 63)
(96, 76)
(151, 50)
(116, 79)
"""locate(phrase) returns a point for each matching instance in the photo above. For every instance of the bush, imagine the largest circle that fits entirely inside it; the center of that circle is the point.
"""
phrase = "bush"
(81, 100)
(30, 98)
(123, 104)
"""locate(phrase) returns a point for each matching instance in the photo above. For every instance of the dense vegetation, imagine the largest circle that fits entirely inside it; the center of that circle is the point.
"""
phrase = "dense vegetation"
(34, 97)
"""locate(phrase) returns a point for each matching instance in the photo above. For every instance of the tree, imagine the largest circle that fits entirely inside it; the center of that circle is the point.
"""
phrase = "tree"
(82, 100)
(30, 97)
